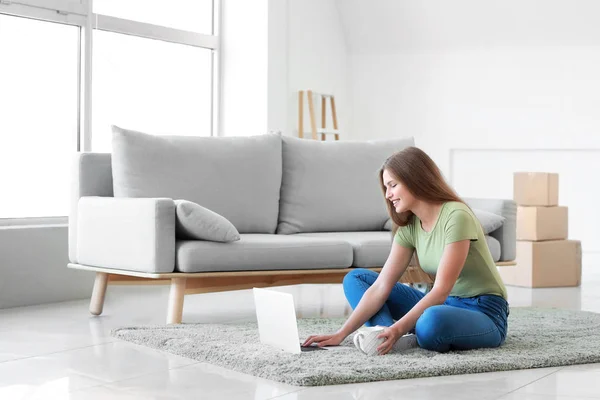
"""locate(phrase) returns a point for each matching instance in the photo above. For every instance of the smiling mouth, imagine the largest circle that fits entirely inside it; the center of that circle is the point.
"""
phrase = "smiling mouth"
(395, 202)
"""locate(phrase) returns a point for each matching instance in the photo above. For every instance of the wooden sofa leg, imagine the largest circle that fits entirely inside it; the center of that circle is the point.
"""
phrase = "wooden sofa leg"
(176, 295)
(97, 301)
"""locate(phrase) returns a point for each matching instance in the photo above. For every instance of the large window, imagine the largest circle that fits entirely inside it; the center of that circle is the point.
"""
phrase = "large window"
(189, 15)
(38, 116)
(72, 68)
(149, 85)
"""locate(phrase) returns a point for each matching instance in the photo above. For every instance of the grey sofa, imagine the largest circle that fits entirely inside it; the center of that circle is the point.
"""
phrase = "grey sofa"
(307, 211)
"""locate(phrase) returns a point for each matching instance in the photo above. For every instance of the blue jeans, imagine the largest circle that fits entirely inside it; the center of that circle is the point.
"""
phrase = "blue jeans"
(458, 324)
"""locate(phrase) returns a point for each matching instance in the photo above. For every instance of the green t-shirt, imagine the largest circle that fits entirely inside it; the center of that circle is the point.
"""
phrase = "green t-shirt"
(455, 222)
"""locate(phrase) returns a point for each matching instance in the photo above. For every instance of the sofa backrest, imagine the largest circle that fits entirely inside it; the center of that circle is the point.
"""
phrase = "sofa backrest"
(236, 177)
(333, 186)
(91, 176)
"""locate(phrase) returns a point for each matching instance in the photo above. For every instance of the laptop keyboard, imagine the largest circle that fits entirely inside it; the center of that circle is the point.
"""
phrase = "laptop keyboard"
(310, 348)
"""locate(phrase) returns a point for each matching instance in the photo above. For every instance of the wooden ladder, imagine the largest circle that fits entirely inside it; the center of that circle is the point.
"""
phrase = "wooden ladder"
(323, 131)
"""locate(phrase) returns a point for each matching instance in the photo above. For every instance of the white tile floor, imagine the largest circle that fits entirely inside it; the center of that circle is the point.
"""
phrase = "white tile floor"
(60, 351)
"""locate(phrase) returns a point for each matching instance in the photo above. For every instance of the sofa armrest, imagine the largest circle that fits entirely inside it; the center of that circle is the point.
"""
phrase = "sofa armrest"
(507, 233)
(135, 234)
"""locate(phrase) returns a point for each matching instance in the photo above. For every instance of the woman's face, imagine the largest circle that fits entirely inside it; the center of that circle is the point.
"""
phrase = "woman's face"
(396, 193)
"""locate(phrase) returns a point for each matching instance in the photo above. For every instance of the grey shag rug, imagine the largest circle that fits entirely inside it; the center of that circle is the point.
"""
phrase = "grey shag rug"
(537, 338)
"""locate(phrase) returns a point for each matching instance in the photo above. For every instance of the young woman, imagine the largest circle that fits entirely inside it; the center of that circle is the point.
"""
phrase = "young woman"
(467, 307)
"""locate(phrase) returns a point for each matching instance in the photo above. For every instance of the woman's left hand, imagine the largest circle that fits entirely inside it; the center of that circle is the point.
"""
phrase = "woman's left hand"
(391, 335)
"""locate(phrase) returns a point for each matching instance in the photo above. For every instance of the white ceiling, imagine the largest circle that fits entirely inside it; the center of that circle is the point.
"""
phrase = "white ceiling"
(392, 26)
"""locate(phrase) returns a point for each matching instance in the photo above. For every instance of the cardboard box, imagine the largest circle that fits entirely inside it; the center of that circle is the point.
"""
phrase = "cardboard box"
(535, 188)
(552, 263)
(542, 223)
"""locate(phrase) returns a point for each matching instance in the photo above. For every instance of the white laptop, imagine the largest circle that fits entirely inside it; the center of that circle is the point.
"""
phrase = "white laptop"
(277, 325)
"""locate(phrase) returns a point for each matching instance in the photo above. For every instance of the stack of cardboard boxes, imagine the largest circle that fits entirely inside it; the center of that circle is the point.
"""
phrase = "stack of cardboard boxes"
(545, 258)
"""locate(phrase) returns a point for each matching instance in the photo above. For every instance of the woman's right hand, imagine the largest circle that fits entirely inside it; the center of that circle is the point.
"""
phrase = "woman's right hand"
(324, 340)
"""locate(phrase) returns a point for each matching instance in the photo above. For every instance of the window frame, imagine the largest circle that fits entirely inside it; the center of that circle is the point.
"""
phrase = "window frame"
(80, 13)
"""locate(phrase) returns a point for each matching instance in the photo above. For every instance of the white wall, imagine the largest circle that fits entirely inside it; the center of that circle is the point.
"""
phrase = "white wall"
(270, 49)
(318, 61)
(484, 75)
(33, 267)
(243, 67)
(277, 74)
(510, 97)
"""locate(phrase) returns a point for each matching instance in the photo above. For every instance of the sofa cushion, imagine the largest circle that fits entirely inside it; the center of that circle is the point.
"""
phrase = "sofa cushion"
(388, 225)
(332, 186)
(494, 246)
(489, 221)
(236, 177)
(254, 252)
(507, 233)
(196, 222)
(370, 249)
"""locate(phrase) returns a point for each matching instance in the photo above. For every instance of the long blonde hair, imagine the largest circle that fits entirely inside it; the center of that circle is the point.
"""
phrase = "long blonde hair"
(421, 176)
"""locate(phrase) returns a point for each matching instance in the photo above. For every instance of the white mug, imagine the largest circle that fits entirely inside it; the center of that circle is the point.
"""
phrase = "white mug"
(366, 339)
